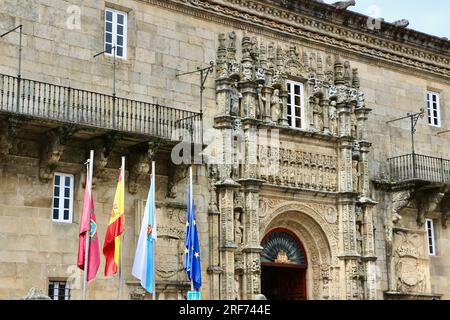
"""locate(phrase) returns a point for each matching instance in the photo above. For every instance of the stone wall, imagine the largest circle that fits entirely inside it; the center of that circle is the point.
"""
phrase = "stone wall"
(161, 43)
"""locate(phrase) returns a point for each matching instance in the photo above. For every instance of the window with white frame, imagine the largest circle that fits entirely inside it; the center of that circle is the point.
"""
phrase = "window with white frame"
(62, 198)
(116, 32)
(431, 239)
(434, 109)
(59, 290)
(295, 107)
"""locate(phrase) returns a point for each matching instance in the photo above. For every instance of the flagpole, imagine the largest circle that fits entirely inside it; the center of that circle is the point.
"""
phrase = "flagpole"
(88, 233)
(153, 241)
(122, 173)
(190, 208)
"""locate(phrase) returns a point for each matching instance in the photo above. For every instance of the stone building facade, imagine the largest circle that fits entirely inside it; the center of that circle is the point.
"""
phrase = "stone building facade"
(300, 194)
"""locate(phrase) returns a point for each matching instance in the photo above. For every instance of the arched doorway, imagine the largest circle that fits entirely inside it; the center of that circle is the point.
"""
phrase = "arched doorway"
(284, 265)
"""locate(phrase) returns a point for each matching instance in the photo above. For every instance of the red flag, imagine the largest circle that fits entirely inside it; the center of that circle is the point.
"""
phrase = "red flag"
(88, 224)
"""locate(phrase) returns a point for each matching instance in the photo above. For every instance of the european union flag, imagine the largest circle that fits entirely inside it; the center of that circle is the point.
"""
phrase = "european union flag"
(192, 264)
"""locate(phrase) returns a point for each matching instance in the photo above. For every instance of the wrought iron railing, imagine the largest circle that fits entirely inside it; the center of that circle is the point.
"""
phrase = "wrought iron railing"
(419, 167)
(53, 102)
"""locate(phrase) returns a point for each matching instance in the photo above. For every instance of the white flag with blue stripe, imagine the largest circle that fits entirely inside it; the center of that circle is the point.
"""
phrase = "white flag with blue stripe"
(144, 264)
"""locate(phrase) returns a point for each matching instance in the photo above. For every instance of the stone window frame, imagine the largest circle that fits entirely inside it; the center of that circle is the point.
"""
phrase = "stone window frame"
(432, 118)
(56, 283)
(431, 237)
(124, 46)
(61, 206)
(291, 95)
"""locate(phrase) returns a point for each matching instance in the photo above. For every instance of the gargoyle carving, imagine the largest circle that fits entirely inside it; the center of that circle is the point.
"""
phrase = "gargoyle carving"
(344, 5)
(428, 200)
(53, 149)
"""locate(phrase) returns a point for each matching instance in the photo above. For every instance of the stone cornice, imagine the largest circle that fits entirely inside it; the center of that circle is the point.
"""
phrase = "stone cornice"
(338, 30)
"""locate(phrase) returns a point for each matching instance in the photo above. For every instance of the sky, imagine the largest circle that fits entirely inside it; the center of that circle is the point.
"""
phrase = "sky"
(428, 16)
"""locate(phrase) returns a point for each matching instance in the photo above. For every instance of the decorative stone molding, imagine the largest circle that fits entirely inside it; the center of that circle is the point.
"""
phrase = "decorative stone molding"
(53, 149)
(320, 23)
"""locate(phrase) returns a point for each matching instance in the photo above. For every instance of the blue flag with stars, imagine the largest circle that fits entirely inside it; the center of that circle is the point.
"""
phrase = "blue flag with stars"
(192, 264)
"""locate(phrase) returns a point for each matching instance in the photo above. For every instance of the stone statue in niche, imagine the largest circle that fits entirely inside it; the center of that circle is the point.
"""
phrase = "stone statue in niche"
(237, 287)
(360, 102)
(234, 68)
(318, 115)
(238, 228)
(260, 75)
(261, 101)
(333, 118)
(247, 71)
(353, 123)
(235, 97)
(355, 175)
(275, 106)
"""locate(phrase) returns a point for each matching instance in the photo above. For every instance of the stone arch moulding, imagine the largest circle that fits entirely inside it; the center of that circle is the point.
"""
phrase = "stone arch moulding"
(301, 211)
(319, 243)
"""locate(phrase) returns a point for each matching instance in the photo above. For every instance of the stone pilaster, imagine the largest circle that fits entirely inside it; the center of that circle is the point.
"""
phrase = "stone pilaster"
(226, 240)
(252, 248)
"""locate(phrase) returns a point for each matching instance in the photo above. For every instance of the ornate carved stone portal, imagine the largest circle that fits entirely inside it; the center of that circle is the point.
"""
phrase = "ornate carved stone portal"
(262, 155)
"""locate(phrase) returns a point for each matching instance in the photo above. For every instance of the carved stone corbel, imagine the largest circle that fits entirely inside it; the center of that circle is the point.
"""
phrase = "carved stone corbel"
(400, 200)
(8, 131)
(5, 140)
(103, 148)
(52, 150)
(140, 159)
(428, 200)
(176, 174)
(445, 209)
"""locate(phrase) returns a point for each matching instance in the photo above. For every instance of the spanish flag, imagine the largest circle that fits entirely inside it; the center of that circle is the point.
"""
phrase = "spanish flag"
(111, 247)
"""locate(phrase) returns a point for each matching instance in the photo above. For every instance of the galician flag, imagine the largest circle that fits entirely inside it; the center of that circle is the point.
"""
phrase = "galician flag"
(192, 262)
(88, 227)
(144, 264)
(111, 247)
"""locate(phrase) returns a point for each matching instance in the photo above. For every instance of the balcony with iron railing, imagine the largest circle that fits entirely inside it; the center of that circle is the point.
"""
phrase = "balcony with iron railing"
(416, 167)
(45, 101)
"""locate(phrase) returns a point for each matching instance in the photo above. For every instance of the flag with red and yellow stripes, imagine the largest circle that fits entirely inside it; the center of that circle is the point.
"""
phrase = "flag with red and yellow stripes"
(111, 247)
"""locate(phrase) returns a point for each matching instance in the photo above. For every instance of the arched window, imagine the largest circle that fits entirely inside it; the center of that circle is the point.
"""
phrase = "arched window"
(281, 247)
